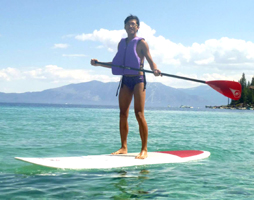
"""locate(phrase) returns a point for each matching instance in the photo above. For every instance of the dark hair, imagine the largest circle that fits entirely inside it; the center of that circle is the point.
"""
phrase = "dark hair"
(131, 17)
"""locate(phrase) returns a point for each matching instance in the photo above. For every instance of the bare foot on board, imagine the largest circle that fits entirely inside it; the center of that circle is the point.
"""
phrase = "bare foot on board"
(142, 155)
(120, 151)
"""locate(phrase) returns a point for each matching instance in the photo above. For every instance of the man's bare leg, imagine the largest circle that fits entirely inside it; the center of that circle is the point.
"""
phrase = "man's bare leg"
(139, 106)
(125, 97)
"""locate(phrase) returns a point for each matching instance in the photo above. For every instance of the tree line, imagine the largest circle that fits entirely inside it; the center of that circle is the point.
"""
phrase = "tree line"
(247, 97)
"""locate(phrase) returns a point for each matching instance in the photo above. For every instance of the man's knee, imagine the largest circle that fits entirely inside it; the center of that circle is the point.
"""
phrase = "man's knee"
(123, 115)
(139, 115)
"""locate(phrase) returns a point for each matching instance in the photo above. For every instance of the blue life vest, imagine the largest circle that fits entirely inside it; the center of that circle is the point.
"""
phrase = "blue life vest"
(127, 56)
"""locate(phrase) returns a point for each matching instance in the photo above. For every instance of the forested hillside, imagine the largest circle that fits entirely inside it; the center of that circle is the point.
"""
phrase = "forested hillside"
(247, 97)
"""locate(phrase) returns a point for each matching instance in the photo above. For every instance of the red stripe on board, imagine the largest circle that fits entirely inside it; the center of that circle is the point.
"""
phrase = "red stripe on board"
(183, 153)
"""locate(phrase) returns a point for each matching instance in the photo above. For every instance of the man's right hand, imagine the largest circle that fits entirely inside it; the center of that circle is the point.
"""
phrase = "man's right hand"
(94, 61)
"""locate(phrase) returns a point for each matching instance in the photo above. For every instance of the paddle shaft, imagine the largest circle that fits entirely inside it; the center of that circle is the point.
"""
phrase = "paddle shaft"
(148, 71)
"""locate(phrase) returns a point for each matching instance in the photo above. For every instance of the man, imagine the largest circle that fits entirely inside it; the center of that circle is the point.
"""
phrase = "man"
(131, 52)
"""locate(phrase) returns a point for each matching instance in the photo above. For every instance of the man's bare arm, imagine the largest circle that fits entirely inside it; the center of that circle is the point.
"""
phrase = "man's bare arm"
(145, 51)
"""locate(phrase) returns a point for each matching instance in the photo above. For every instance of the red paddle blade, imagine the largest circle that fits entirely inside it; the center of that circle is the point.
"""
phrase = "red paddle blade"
(230, 89)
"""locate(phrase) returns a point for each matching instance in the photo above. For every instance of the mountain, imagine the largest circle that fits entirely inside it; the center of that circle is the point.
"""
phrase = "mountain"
(98, 93)
(206, 92)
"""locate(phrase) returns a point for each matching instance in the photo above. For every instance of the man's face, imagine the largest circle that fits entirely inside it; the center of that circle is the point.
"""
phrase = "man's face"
(131, 26)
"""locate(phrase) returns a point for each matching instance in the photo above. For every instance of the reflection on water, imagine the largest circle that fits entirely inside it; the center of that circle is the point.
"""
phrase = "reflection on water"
(131, 185)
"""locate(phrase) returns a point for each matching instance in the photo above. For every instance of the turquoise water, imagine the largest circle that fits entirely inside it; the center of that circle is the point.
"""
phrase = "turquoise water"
(46, 131)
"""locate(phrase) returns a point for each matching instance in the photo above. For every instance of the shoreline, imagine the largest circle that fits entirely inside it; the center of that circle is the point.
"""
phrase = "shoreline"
(231, 107)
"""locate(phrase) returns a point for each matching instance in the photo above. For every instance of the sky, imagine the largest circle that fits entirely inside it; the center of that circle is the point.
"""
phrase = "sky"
(47, 44)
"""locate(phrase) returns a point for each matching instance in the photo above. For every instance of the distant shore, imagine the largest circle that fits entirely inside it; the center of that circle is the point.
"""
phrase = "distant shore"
(232, 107)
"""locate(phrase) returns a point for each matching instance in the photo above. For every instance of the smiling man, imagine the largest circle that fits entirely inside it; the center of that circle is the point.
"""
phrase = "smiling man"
(131, 52)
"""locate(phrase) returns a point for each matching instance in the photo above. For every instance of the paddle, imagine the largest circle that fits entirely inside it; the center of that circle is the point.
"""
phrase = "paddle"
(229, 89)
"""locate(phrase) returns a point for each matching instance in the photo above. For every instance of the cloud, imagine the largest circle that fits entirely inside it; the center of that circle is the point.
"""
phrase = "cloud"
(69, 36)
(53, 74)
(223, 51)
(108, 38)
(9, 74)
(60, 46)
(213, 54)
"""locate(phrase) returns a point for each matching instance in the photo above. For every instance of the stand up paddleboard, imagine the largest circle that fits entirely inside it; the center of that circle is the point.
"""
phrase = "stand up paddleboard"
(108, 161)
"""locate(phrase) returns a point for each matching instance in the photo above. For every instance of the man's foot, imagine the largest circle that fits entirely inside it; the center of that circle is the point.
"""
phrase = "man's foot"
(120, 151)
(142, 155)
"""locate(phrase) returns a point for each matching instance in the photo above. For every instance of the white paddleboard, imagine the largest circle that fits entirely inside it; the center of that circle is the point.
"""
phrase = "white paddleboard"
(108, 161)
